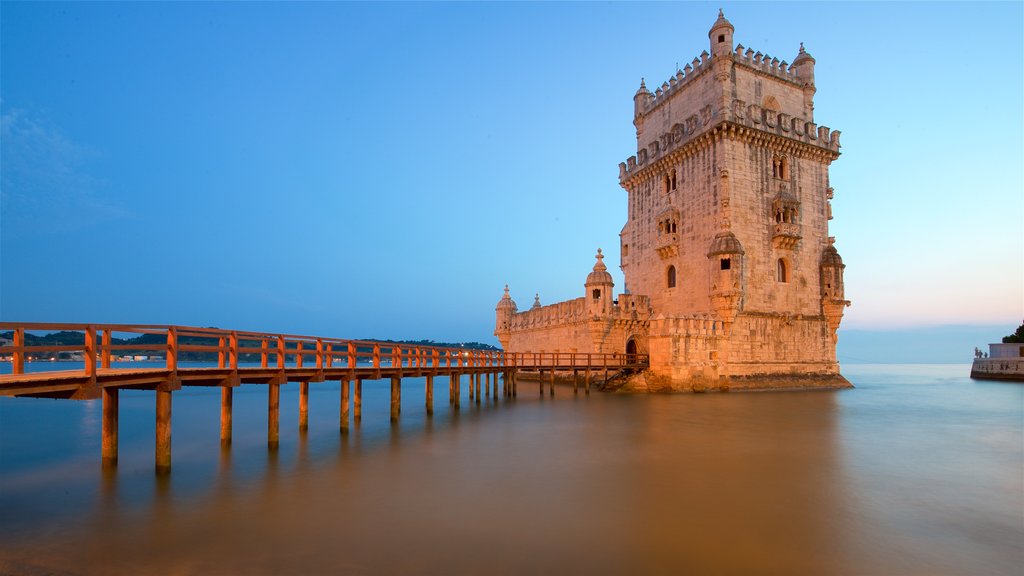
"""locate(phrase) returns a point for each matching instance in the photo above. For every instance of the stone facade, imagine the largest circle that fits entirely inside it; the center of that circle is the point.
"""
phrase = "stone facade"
(732, 280)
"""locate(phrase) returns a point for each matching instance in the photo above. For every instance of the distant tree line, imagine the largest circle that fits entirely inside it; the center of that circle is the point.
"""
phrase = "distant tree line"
(74, 338)
(1015, 338)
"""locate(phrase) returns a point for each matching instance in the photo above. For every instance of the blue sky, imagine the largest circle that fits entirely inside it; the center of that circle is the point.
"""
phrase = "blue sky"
(382, 170)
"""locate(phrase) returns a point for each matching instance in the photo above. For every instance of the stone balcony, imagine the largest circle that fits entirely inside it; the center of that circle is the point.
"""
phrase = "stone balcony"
(786, 235)
(667, 245)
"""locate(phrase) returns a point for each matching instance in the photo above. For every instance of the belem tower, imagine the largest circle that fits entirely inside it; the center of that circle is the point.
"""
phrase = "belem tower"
(732, 280)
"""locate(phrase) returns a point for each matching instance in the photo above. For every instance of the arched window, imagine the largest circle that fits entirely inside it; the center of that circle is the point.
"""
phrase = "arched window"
(782, 273)
(597, 294)
(671, 276)
(673, 179)
(668, 183)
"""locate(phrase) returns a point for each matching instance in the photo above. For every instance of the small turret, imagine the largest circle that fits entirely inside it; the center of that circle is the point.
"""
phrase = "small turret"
(725, 258)
(721, 36)
(503, 322)
(641, 100)
(536, 302)
(803, 65)
(599, 287)
(833, 298)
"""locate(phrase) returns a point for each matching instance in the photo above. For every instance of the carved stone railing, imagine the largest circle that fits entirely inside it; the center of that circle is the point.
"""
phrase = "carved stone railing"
(786, 235)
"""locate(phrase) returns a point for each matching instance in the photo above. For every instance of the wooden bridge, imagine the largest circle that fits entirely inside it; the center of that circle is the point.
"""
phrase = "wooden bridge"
(271, 359)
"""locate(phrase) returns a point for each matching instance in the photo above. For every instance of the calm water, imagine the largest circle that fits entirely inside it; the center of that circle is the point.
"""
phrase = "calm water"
(919, 470)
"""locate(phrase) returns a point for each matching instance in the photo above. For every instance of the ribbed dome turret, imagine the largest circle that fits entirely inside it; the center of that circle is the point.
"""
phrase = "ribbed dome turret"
(802, 56)
(642, 91)
(721, 22)
(830, 257)
(725, 243)
(600, 274)
(506, 302)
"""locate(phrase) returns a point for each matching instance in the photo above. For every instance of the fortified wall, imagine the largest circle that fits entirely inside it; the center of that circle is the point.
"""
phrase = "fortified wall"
(732, 279)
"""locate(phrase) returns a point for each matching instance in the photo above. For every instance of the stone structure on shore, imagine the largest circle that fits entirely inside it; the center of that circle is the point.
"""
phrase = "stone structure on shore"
(732, 279)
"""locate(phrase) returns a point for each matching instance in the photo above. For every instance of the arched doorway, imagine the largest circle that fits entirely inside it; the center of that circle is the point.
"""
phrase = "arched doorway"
(631, 351)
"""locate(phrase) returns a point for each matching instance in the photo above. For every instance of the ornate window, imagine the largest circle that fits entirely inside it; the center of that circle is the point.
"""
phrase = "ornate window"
(669, 182)
(671, 276)
(780, 167)
(782, 271)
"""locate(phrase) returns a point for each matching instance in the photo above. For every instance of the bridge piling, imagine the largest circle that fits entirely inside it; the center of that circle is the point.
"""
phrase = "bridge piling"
(226, 405)
(163, 431)
(551, 384)
(273, 415)
(303, 405)
(396, 397)
(344, 405)
(109, 425)
(357, 402)
(430, 394)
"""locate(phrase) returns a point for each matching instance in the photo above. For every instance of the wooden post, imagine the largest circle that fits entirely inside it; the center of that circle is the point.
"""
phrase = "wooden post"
(487, 385)
(222, 357)
(586, 381)
(163, 431)
(430, 394)
(172, 350)
(575, 382)
(105, 348)
(18, 366)
(90, 352)
(357, 402)
(540, 381)
(303, 405)
(273, 414)
(264, 353)
(471, 392)
(110, 399)
(344, 405)
(551, 384)
(476, 379)
(226, 402)
(396, 397)
(457, 387)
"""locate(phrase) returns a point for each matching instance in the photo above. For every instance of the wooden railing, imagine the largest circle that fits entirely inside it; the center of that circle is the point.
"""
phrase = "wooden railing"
(98, 350)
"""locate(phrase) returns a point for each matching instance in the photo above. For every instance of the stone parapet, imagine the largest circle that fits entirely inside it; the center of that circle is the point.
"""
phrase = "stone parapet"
(998, 369)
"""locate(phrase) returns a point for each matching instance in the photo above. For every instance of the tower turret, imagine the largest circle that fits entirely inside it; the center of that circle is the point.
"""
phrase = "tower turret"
(803, 65)
(721, 36)
(833, 297)
(641, 101)
(503, 322)
(599, 288)
(725, 258)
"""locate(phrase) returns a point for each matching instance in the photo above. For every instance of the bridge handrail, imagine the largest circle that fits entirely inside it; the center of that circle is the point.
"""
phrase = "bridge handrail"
(276, 349)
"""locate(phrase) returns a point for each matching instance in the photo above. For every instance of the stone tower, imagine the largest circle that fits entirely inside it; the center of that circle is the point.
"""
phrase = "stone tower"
(732, 278)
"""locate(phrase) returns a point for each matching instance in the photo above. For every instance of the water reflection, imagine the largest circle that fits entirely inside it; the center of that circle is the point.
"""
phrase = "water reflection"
(919, 476)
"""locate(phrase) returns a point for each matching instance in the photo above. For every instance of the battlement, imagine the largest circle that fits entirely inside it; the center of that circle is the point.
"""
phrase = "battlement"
(675, 83)
(766, 64)
(743, 114)
(627, 307)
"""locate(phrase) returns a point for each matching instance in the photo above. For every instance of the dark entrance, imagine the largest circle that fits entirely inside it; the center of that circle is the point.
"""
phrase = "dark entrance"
(631, 351)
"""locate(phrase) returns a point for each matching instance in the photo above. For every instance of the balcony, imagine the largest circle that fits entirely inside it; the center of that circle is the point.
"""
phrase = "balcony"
(786, 235)
(667, 245)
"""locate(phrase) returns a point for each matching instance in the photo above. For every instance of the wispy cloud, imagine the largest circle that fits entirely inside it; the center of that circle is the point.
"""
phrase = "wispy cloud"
(45, 182)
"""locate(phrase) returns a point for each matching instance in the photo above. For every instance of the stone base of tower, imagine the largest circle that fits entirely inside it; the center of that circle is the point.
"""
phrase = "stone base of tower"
(651, 382)
(754, 352)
